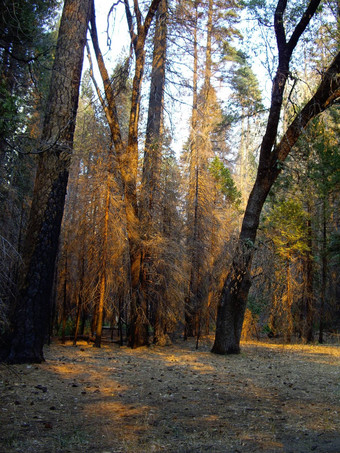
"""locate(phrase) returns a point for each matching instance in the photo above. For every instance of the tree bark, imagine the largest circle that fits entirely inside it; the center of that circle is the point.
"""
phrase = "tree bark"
(127, 157)
(149, 206)
(233, 300)
(324, 262)
(77, 320)
(79, 304)
(307, 333)
(190, 301)
(102, 288)
(138, 329)
(32, 312)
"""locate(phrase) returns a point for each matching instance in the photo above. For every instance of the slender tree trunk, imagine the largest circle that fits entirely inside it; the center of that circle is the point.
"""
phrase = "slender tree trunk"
(200, 152)
(102, 291)
(77, 321)
(100, 312)
(120, 321)
(94, 318)
(79, 305)
(83, 321)
(190, 299)
(307, 333)
(33, 305)
(64, 308)
(289, 303)
(323, 272)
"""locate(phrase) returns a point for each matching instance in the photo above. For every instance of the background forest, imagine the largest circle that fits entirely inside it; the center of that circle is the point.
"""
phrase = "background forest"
(166, 152)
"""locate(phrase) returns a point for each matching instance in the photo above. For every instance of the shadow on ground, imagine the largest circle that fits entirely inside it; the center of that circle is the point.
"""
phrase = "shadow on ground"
(270, 398)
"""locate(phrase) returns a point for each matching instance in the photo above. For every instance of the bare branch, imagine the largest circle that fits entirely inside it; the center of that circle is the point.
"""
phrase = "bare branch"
(149, 17)
(128, 14)
(138, 15)
(109, 94)
(279, 26)
(302, 25)
(326, 95)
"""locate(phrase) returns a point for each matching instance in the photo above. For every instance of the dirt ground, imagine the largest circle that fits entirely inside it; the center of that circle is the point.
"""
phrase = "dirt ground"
(270, 398)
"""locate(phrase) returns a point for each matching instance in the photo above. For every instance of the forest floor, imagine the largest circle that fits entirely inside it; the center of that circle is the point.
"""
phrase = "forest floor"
(269, 398)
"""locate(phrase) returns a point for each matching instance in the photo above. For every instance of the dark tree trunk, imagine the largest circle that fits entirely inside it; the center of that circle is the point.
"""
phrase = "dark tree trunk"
(149, 207)
(307, 332)
(64, 306)
(233, 301)
(94, 317)
(83, 321)
(32, 312)
(77, 320)
(232, 306)
(323, 272)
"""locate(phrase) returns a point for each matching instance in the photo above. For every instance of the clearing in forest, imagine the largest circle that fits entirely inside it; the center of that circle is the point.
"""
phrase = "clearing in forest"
(270, 398)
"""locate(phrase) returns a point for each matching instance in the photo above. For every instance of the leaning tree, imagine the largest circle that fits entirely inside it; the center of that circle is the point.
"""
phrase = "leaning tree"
(233, 301)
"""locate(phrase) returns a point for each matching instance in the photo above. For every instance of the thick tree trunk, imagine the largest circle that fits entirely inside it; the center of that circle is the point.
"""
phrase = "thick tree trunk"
(138, 329)
(33, 305)
(149, 196)
(128, 157)
(233, 301)
(232, 306)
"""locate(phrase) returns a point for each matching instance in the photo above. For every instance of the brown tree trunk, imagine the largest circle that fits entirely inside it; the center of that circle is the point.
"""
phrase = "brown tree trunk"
(64, 306)
(33, 305)
(79, 305)
(138, 329)
(100, 312)
(128, 157)
(200, 153)
(287, 334)
(102, 290)
(190, 301)
(233, 301)
(77, 321)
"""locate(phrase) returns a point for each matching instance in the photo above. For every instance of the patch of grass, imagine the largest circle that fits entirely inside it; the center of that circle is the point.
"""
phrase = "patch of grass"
(70, 440)
(11, 441)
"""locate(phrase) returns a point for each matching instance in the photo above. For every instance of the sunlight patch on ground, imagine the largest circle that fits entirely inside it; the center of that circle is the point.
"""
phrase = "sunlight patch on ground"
(333, 350)
(325, 355)
(174, 399)
(309, 416)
